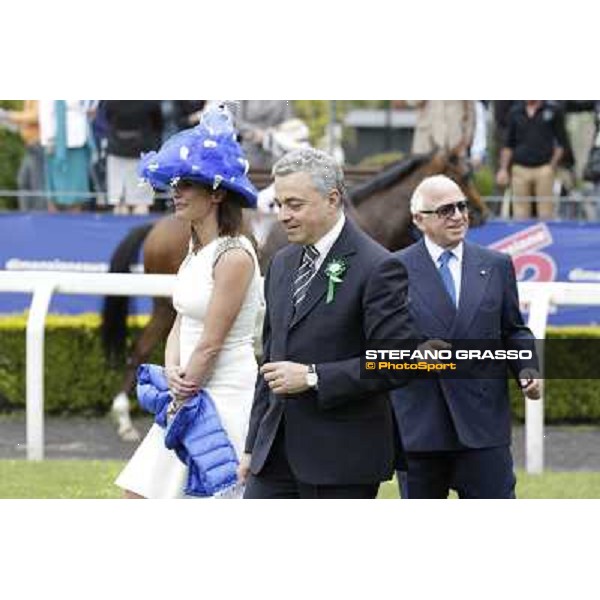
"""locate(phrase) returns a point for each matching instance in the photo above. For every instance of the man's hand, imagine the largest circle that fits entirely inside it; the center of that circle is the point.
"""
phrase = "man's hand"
(531, 384)
(502, 178)
(285, 377)
(243, 469)
(434, 345)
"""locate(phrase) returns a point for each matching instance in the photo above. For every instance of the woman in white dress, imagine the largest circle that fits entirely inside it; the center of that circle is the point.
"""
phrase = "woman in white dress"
(217, 296)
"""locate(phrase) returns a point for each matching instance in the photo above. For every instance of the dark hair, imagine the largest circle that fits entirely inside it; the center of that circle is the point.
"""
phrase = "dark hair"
(229, 215)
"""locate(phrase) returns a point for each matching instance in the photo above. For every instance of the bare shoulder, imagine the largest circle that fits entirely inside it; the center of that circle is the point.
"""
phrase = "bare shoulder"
(233, 258)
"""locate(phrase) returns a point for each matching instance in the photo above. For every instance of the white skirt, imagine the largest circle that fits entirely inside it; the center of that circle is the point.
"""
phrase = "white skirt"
(156, 473)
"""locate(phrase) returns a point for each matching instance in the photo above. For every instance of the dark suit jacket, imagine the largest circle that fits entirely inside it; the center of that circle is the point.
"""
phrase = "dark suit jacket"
(343, 433)
(436, 413)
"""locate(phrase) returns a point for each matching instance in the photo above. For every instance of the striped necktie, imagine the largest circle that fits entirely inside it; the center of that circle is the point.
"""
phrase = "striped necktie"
(304, 274)
(446, 275)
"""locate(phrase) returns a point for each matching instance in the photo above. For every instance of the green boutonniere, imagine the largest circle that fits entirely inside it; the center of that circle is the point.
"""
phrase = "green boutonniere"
(335, 272)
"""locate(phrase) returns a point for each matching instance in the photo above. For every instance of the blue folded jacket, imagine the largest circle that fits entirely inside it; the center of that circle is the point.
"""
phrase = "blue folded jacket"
(195, 434)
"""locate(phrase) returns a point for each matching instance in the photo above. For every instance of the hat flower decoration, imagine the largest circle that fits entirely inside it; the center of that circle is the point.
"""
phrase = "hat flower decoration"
(208, 153)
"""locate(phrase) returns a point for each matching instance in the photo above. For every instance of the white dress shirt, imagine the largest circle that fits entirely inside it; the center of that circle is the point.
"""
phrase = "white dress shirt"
(326, 242)
(454, 264)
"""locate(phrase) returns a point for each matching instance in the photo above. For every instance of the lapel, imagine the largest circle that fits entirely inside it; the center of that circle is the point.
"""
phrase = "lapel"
(428, 283)
(476, 274)
(343, 247)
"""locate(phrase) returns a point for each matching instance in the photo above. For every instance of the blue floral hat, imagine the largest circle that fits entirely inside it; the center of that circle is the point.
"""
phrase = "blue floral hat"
(208, 153)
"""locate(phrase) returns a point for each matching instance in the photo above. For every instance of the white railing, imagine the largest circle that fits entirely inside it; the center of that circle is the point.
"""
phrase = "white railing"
(43, 284)
(538, 296)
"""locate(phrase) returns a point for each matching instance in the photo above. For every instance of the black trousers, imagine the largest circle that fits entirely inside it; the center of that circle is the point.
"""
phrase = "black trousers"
(473, 473)
(276, 480)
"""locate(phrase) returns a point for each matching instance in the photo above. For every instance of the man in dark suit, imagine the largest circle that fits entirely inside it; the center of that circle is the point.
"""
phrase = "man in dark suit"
(317, 429)
(456, 432)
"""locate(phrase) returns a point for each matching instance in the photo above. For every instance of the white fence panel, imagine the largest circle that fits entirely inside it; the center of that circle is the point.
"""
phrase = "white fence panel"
(43, 285)
(539, 296)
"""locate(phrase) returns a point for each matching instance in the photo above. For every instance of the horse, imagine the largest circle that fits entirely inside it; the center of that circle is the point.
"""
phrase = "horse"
(380, 206)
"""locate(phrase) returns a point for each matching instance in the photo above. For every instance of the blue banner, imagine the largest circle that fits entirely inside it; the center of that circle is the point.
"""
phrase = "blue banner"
(555, 251)
(552, 251)
(67, 242)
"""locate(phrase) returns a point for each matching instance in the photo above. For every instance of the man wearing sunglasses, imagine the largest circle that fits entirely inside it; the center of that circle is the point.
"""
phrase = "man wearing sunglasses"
(456, 432)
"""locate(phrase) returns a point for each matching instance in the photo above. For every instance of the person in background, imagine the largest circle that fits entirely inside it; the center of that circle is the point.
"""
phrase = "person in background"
(500, 111)
(31, 176)
(446, 125)
(568, 179)
(255, 120)
(64, 136)
(98, 129)
(478, 149)
(134, 127)
(187, 113)
(591, 171)
(534, 145)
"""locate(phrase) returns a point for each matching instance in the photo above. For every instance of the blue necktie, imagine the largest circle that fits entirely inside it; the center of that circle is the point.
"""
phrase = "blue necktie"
(446, 275)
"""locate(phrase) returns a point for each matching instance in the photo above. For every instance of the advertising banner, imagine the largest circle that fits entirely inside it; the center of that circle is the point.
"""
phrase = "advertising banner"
(554, 251)
(66, 242)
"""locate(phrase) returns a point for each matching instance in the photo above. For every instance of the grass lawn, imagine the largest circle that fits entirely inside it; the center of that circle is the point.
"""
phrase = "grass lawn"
(59, 479)
(94, 479)
(549, 485)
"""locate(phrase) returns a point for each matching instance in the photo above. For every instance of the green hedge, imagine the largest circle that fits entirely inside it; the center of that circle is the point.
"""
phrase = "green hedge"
(78, 380)
(11, 153)
(566, 400)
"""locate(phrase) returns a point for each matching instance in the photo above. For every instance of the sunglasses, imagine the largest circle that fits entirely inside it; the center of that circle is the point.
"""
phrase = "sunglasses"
(447, 210)
(183, 184)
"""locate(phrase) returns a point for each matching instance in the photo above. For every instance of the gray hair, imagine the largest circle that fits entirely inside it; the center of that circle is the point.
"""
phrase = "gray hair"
(428, 187)
(325, 172)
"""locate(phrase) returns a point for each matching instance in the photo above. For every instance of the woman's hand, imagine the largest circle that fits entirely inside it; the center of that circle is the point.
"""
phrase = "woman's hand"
(180, 387)
(243, 469)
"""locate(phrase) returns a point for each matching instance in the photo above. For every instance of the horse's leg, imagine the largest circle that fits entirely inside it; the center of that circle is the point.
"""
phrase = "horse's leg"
(155, 331)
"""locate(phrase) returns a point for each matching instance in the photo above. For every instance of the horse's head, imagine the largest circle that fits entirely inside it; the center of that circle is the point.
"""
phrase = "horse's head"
(455, 165)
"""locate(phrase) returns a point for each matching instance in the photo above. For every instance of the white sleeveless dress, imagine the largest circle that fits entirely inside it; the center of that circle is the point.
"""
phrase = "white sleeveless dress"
(154, 471)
